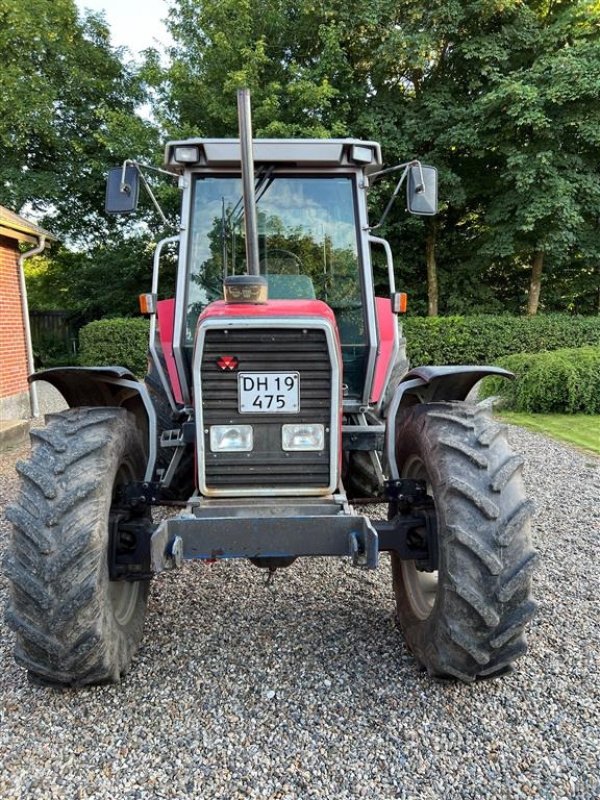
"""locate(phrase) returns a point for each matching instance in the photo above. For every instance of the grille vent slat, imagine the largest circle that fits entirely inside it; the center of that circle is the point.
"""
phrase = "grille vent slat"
(262, 350)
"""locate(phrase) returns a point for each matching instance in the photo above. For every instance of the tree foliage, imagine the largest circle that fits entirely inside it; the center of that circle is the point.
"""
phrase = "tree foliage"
(540, 132)
(104, 281)
(501, 95)
(67, 103)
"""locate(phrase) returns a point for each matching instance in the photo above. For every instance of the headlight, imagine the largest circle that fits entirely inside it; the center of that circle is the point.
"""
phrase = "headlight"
(303, 437)
(231, 438)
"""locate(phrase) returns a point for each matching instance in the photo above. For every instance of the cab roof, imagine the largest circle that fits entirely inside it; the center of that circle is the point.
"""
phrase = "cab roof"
(318, 153)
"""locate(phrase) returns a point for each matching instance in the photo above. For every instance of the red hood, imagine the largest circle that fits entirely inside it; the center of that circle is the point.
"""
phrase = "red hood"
(273, 308)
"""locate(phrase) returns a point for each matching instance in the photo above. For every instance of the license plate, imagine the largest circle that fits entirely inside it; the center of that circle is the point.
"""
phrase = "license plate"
(269, 392)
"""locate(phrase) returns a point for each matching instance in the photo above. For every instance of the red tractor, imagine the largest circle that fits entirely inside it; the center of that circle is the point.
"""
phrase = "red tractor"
(277, 408)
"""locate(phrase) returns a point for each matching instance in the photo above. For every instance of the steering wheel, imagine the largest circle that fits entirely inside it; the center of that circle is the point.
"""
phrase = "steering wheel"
(281, 256)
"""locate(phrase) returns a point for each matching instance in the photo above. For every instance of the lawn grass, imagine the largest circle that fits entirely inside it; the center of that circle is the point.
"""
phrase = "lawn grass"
(582, 430)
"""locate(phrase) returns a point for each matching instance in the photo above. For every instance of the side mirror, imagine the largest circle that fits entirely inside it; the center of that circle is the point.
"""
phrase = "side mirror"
(422, 190)
(122, 190)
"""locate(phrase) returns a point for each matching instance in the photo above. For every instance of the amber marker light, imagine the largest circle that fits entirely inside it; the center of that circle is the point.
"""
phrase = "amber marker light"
(399, 302)
(147, 303)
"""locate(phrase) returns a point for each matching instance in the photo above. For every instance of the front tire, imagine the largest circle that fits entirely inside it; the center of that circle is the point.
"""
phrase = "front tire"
(74, 625)
(466, 620)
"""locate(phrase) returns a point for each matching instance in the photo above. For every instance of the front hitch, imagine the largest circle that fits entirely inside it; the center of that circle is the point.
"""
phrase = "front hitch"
(411, 530)
(130, 530)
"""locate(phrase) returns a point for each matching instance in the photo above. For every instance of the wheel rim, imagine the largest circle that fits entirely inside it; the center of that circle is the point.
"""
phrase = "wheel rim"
(123, 599)
(421, 587)
(123, 595)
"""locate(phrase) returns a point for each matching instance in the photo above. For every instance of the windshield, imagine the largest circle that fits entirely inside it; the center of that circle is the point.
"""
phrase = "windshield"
(308, 248)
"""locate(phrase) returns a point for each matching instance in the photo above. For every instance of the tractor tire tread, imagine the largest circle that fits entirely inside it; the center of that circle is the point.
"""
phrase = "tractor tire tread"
(58, 557)
(476, 628)
(475, 496)
(505, 471)
(485, 553)
(473, 454)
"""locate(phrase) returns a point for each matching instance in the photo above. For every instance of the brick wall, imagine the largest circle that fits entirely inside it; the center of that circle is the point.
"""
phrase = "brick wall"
(13, 354)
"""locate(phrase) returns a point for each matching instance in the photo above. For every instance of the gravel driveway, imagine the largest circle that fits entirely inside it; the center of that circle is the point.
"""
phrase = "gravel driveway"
(304, 689)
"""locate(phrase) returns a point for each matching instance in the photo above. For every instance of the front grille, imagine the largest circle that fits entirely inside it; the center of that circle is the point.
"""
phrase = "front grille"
(302, 350)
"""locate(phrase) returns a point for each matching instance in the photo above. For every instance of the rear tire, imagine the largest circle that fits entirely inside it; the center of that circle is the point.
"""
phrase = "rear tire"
(361, 477)
(182, 486)
(164, 413)
(74, 626)
(399, 370)
(467, 620)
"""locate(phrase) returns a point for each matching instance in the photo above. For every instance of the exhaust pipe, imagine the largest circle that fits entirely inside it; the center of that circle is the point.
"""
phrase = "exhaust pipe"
(247, 160)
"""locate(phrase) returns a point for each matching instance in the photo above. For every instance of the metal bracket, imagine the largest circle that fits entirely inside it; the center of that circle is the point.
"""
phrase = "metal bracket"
(167, 476)
(179, 437)
(363, 550)
(411, 531)
(138, 493)
(406, 491)
(129, 546)
(245, 531)
(366, 440)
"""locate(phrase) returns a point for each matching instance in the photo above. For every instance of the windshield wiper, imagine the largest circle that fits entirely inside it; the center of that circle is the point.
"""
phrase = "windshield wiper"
(262, 183)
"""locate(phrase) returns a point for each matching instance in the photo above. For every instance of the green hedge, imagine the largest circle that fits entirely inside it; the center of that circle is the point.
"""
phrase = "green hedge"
(430, 340)
(122, 342)
(563, 381)
(484, 339)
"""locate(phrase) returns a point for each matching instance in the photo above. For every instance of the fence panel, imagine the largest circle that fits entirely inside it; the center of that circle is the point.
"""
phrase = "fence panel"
(53, 331)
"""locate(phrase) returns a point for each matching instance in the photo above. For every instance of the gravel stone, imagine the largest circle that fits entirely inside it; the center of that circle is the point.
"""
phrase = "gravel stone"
(305, 689)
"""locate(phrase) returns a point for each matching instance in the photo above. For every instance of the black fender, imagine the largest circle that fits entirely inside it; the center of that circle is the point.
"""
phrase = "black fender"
(107, 386)
(430, 385)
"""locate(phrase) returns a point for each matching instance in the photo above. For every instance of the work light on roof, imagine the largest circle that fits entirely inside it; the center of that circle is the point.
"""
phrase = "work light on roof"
(187, 154)
(360, 154)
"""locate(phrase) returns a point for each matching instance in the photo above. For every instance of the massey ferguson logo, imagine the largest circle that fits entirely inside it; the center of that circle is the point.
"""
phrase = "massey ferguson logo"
(227, 363)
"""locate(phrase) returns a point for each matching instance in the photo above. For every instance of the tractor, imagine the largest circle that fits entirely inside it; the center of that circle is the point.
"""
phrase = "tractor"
(277, 411)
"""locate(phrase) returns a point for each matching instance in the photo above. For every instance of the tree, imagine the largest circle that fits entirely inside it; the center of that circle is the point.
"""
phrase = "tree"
(409, 74)
(67, 112)
(102, 282)
(301, 60)
(539, 140)
(500, 95)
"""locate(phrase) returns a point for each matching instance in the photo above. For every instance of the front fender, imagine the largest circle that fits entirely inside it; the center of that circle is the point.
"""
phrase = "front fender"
(430, 385)
(107, 386)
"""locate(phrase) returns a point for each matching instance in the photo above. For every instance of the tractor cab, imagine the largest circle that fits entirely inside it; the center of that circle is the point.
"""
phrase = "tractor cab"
(313, 237)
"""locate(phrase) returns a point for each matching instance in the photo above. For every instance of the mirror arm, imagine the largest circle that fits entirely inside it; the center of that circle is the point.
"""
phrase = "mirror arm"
(386, 211)
(171, 175)
(405, 167)
(374, 176)
(154, 200)
(138, 166)
(390, 203)
(126, 188)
